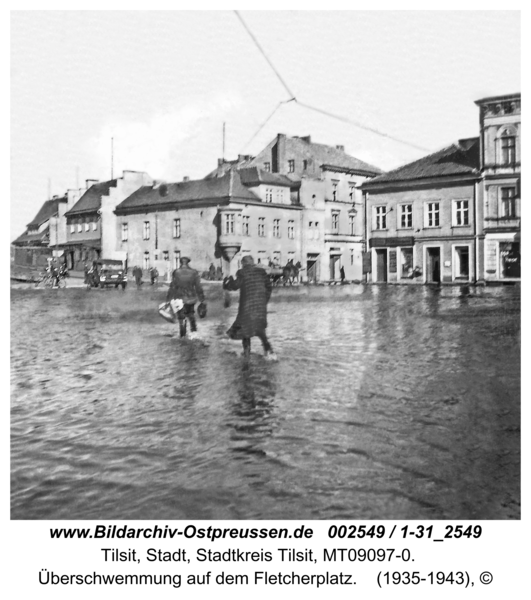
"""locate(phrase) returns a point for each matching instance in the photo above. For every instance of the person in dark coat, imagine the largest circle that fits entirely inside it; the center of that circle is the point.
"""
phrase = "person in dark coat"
(137, 274)
(255, 290)
(154, 275)
(186, 286)
(342, 275)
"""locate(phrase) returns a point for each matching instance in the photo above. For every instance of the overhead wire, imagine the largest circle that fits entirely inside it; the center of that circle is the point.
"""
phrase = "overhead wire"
(266, 121)
(314, 108)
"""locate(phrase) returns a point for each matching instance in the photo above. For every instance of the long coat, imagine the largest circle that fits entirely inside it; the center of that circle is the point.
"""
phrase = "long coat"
(255, 290)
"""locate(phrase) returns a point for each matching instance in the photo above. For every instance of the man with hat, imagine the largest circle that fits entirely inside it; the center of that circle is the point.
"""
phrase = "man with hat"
(255, 290)
(186, 286)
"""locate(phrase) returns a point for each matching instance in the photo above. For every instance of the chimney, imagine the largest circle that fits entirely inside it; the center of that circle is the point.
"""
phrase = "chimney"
(220, 161)
(90, 182)
(339, 147)
(186, 178)
(307, 139)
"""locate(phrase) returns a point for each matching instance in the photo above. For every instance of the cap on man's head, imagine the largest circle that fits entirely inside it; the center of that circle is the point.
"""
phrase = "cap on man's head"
(247, 260)
(185, 260)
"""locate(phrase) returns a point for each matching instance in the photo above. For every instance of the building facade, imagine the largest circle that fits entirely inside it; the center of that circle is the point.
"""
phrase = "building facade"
(88, 228)
(422, 219)
(213, 221)
(500, 137)
(325, 183)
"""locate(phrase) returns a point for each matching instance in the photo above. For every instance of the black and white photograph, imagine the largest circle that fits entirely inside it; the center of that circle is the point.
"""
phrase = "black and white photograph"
(265, 265)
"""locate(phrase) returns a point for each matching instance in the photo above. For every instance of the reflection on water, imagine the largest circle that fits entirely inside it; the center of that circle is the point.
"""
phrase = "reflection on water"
(386, 402)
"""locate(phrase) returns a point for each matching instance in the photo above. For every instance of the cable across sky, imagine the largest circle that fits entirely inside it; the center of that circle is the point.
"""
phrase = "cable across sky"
(293, 98)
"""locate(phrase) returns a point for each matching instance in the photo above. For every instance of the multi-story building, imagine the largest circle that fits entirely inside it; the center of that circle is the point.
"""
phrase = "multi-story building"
(500, 137)
(214, 221)
(88, 228)
(325, 182)
(34, 243)
(422, 219)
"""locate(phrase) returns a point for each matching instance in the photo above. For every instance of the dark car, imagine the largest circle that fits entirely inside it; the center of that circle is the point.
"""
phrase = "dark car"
(112, 272)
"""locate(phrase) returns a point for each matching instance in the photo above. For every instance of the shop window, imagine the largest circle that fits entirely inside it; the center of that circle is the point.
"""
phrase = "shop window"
(462, 257)
(510, 259)
(406, 259)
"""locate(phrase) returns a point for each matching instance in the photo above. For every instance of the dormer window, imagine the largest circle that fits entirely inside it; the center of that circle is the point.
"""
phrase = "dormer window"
(267, 167)
(291, 166)
(269, 195)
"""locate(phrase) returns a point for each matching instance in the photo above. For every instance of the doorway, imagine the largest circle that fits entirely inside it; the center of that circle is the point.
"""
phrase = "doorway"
(312, 268)
(381, 265)
(433, 274)
(335, 264)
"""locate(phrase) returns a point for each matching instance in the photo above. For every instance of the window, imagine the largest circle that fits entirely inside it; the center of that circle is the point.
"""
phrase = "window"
(334, 190)
(261, 226)
(280, 196)
(269, 195)
(335, 221)
(351, 188)
(267, 167)
(125, 232)
(291, 229)
(381, 217)
(508, 202)
(166, 255)
(461, 212)
(508, 149)
(145, 232)
(351, 256)
(87, 226)
(79, 226)
(406, 216)
(94, 225)
(313, 230)
(245, 225)
(351, 225)
(291, 166)
(462, 263)
(72, 227)
(305, 165)
(276, 228)
(176, 228)
(433, 214)
(146, 260)
(228, 225)
(176, 259)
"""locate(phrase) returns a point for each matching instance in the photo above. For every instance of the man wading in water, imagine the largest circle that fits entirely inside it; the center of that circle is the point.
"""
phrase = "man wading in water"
(255, 290)
(186, 286)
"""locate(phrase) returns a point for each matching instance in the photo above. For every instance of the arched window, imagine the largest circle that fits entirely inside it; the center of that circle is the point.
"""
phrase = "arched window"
(506, 146)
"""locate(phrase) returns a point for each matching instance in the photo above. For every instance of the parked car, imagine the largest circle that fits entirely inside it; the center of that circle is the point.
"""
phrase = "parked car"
(112, 272)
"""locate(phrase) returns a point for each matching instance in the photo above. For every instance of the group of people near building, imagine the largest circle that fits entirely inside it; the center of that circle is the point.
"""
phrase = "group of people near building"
(255, 289)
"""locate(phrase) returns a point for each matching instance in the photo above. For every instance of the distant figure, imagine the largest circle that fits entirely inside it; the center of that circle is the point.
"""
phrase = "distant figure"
(154, 275)
(137, 274)
(219, 274)
(255, 290)
(212, 272)
(186, 286)
(342, 275)
(86, 273)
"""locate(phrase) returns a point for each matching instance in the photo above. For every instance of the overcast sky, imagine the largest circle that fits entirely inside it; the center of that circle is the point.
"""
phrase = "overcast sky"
(163, 83)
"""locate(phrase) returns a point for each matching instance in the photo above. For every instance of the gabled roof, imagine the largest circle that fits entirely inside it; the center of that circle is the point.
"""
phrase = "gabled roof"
(460, 158)
(90, 201)
(47, 210)
(29, 239)
(254, 176)
(229, 186)
(329, 156)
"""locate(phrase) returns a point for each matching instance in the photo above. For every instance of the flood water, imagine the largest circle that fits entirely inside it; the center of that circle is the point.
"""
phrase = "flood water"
(387, 402)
